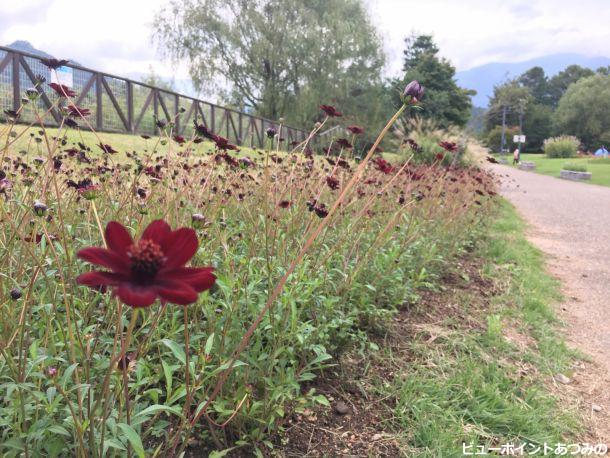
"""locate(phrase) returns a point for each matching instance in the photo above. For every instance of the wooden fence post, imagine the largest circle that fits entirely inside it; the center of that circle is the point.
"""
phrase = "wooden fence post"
(99, 113)
(130, 107)
(16, 82)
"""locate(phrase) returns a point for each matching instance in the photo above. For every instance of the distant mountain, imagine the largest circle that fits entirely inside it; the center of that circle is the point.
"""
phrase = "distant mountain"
(182, 86)
(26, 46)
(485, 77)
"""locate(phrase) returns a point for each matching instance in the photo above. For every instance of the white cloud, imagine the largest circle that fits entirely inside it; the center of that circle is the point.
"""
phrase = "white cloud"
(475, 32)
(114, 35)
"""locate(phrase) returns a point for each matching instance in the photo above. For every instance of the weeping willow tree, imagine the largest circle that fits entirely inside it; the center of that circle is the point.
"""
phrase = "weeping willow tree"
(277, 58)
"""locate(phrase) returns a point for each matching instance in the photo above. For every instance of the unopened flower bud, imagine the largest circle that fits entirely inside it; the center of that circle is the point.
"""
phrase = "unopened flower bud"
(414, 90)
(15, 294)
(39, 208)
(198, 220)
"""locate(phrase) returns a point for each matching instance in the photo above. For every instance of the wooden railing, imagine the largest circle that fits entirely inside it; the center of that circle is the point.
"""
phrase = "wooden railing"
(123, 105)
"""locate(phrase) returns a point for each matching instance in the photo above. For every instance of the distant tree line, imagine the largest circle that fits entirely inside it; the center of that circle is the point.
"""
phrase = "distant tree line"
(576, 102)
(283, 58)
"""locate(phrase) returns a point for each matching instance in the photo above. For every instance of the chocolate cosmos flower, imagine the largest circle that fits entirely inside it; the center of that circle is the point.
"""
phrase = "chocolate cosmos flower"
(330, 111)
(150, 268)
(54, 63)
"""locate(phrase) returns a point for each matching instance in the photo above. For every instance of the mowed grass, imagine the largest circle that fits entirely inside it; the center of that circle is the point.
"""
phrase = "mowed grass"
(599, 168)
(478, 386)
(31, 140)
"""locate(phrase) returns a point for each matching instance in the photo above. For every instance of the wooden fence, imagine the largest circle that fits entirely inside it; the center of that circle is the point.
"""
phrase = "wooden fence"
(125, 106)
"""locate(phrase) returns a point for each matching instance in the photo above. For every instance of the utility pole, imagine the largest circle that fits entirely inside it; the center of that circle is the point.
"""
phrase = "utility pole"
(503, 142)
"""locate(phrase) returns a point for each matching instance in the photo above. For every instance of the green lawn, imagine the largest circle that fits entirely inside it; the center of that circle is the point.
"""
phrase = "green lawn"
(29, 139)
(600, 168)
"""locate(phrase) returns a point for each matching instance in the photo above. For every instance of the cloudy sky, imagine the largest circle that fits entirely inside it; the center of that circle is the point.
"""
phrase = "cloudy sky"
(115, 37)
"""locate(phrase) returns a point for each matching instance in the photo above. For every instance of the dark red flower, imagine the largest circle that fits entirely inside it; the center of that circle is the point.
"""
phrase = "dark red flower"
(223, 143)
(356, 130)
(145, 137)
(76, 112)
(61, 90)
(150, 268)
(54, 63)
(179, 139)
(439, 156)
(449, 146)
(204, 132)
(107, 148)
(70, 123)
(284, 204)
(330, 111)
(343, 143)
(321, 211)
(332, 182)
(383, 165)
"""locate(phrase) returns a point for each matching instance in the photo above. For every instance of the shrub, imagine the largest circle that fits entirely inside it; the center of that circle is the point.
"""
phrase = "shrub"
(574, 167)
(494, 138)
(563, 146)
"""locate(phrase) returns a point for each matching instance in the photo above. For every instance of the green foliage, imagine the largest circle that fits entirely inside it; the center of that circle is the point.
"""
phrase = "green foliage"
(444, 101)
(575, 167)
(494, 138)
(537, 83)
(563, 146)
(448, 393)
(82, 371)
(281, 58)
(537, 125)
(584, 111)
(559, 84)
(510, 96)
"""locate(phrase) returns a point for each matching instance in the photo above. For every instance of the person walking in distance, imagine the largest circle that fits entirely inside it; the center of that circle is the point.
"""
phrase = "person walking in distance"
(516, 156)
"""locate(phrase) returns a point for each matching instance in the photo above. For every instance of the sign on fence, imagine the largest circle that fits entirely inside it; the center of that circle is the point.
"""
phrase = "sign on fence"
(519, 139)
(63, 75)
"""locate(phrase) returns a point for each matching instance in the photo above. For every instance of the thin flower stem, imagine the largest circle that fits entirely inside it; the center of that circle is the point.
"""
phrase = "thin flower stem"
(276, 292)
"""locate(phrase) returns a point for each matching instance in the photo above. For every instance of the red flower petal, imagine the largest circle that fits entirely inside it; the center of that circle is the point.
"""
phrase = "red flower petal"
(179, 247)
(118, 238)
(176, 292)
(157, 231)
(199, 278)
(136, 296)
(105, 258)
(95, 279)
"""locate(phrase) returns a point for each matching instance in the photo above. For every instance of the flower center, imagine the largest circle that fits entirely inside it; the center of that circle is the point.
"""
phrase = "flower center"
(146, 257)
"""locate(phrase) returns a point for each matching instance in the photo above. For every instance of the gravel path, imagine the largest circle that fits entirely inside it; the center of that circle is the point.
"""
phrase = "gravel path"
(570, 222)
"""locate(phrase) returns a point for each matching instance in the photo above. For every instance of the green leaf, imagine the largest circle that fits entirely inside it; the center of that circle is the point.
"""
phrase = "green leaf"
(158, 408)
(176, 349)
(321, 399)
(133, 438)
(221, 453)
(114, 444)
(58, 429)
(209, 344)
(168, 377)
(67, 374)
